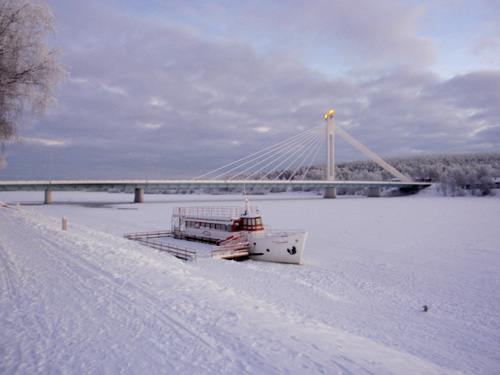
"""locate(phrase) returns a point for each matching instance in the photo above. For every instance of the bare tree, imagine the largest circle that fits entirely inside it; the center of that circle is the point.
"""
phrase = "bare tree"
(29, 70)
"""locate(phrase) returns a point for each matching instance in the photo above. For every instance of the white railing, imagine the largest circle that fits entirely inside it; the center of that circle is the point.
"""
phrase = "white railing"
(229, 249)
(236, 239)
(283, 232)
(137, 236)
(211, 211)
(181, 252)
(147, 239)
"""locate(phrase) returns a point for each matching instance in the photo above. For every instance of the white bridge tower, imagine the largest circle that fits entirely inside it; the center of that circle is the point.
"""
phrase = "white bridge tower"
(330, 192)
(331, 129)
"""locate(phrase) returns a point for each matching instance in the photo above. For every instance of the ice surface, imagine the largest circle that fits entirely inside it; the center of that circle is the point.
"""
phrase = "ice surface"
(88, 301)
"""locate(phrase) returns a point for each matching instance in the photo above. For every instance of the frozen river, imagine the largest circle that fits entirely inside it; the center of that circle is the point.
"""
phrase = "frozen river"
(87, 300)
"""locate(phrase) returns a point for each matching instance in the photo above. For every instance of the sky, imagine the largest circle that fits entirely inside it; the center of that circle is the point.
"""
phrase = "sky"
(173, 89)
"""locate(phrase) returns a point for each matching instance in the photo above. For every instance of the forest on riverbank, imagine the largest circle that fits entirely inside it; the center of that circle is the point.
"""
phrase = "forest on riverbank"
(454, 174)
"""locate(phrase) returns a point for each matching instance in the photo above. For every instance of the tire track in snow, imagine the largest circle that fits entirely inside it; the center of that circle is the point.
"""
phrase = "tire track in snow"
(122, 297)
(9, 274)
(99, 280)
(82, 282)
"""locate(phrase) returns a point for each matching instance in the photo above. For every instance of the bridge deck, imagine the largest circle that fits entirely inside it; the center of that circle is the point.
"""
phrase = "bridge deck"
(140, 185)
(192, 184)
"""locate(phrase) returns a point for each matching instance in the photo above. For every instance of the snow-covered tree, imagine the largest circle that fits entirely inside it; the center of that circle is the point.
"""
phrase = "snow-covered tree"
(30, 71)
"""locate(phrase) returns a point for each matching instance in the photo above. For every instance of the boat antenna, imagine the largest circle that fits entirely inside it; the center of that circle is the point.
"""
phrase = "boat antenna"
(248, 211)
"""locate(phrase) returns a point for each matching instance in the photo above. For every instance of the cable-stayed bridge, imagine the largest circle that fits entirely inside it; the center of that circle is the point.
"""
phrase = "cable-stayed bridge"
(292, 158)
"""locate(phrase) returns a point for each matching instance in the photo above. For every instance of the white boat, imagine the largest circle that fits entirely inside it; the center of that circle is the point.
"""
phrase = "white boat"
(227, 226)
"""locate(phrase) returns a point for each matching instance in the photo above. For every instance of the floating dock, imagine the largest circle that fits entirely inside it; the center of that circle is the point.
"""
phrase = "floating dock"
(166, 241)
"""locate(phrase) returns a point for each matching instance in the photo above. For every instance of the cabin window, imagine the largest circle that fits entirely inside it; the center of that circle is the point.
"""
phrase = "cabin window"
(259, 225)
(192, 224)
(252, 224)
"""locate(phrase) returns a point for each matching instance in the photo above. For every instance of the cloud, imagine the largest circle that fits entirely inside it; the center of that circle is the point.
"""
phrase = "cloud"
(362, 34)
(45, 142)
(478, 90)
(184, 89)
(262, 129)
(151, 126)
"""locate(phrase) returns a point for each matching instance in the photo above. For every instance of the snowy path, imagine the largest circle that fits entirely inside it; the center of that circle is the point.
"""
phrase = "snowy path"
(89, 302)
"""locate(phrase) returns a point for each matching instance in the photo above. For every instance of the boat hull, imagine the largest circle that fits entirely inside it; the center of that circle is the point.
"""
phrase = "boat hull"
(277, 247)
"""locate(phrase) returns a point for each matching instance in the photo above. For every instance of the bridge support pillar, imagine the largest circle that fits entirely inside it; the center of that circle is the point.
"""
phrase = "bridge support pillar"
(139, 195)
(330, 192)
(374, 192)
(48, 196)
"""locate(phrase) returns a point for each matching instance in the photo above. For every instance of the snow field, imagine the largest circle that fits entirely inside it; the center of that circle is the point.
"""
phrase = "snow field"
(89, 301)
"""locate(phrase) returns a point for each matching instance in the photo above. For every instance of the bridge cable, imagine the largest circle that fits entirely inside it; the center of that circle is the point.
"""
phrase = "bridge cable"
(246, 157)
(313, 158)
(302, 148)
(289, 148)
(261, 153)
(273, 154)
(315, 146)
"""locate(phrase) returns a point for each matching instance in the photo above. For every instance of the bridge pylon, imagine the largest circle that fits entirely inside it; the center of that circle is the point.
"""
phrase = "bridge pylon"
(330, 192)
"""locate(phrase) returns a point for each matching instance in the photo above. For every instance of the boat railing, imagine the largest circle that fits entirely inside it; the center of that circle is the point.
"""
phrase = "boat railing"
(211, 211)
(283, 232)
(236, 239)
(268, 231)
(230, 251)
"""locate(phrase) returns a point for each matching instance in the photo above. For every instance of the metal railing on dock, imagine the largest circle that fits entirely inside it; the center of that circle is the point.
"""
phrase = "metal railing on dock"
(229, 250)
(136, 236)
(147, 239)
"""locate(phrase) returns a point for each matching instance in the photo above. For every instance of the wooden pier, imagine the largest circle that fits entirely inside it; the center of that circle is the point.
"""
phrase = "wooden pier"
(159, 241)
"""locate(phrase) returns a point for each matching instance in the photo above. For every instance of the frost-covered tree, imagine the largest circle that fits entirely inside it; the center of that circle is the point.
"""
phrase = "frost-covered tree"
(30, 71)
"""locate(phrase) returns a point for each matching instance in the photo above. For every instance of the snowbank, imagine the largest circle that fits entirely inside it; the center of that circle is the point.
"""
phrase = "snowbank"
(88, 301)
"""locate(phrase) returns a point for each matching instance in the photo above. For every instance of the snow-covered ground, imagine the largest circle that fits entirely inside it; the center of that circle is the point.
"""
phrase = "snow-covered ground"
(87, 301)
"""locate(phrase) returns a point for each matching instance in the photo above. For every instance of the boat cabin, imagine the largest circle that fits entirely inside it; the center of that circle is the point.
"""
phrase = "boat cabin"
(251, 224)
(214, 224)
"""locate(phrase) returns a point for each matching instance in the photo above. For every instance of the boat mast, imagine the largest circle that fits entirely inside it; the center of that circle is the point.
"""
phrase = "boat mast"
(248, 211)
